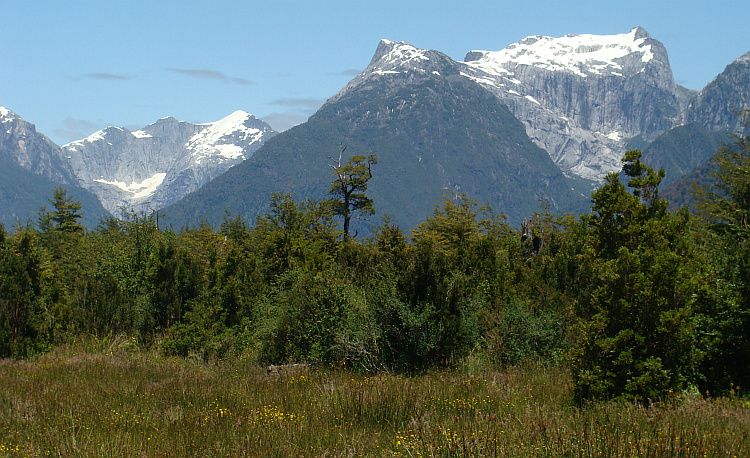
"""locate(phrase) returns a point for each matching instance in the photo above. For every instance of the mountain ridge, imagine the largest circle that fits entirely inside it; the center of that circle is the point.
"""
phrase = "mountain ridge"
(584, 99)
(31, 169)
(434, 132)
(162, 162)
(620, 87)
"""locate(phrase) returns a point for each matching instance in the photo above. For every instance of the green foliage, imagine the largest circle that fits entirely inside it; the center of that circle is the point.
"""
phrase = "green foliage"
(726, 324)
(174, 277)
(522, 333)
(350, 185)
(452, 228)
(303, 317)
(636, 329)
(726, 204)
(20, 287)
(67, 212)
(637, 300)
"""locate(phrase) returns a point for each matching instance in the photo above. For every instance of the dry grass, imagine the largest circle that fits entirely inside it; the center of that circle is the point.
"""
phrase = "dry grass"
(108, 400)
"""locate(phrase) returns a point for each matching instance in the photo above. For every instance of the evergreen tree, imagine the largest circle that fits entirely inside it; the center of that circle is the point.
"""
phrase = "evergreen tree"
(350, 186)
(67, 212)
(635, 335)
(726, 206)
(20, 286)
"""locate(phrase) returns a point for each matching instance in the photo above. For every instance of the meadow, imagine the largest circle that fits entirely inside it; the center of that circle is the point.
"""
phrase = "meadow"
(108, 397)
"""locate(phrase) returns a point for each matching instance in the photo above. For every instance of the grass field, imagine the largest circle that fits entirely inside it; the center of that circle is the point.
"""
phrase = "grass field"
(108, 399)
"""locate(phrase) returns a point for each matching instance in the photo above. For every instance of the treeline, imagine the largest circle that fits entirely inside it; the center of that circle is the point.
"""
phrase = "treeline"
(637, 301)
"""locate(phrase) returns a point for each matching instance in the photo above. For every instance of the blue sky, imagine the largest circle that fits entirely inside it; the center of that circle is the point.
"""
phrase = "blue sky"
(74, 67)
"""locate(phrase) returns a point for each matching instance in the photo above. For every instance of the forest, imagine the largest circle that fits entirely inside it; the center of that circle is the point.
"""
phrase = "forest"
(635, 301)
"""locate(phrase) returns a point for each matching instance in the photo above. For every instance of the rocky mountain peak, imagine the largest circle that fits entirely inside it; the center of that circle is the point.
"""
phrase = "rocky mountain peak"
(390, 55)
(718, 106)
(6, 116)
(402, 61)
(385, 47)
(222, 140)
(743, 58)
(158, 164)
(639, 32)
(582, 97)
(24, 146)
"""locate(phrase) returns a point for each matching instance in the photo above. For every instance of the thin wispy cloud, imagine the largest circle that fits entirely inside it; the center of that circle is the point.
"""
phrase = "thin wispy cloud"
(107, 77)
(350, 72)
(211, 75)
(76, 129)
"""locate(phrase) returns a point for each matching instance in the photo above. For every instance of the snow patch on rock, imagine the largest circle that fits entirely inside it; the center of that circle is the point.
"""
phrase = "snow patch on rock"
(218, 139)
(141, 134)
(139, 190)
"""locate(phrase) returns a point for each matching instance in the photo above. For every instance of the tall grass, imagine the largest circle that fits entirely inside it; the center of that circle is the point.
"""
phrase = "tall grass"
(104, 398)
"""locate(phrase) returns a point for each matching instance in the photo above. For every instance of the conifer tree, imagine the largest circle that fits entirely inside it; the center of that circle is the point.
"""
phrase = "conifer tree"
(67, 212)
(726, 206)
(636, 333)
(350, 185)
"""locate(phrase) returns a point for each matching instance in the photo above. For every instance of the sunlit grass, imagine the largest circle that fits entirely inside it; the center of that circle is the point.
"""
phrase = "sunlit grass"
(110, 400)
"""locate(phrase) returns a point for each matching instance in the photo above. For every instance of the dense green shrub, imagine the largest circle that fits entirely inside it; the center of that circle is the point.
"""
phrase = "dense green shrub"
(639, 302)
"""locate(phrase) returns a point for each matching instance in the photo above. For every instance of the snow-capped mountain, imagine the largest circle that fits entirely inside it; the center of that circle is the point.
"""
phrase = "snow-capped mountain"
(434, 131)
(581, 97)
(444, 124)
(157, 165)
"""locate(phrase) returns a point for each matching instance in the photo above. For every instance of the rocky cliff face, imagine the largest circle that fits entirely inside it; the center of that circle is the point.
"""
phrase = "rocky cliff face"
(582, 97)
(718, 105)
(159, 164)
(23, 145)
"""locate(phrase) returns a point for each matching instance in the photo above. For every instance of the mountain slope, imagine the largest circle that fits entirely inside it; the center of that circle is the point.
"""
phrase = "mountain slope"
(433, 131)
(683, 149)
(717, 106)
(710, 118)
(23, 193)
(157, 165)
(30, 169)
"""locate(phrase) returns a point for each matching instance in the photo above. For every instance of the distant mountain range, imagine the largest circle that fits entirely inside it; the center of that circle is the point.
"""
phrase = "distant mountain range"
(545, 118)
(142, 170)
(161, 163)
(434, 133)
